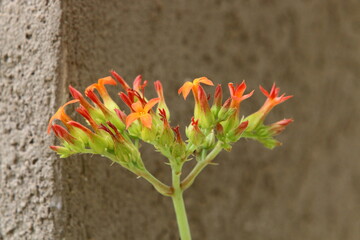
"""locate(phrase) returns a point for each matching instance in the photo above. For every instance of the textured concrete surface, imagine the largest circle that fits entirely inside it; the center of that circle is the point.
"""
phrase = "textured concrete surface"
(29, 49)
(307, 189)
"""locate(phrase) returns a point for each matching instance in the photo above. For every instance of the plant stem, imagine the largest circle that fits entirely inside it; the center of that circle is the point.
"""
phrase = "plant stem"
(157, 184)
(188, 181)
(179, 206)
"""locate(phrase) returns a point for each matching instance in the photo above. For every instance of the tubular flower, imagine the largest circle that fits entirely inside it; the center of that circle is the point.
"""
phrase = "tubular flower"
(61, 115)
(272, 99)
(100, 87)
(257, 118)
(162, 104)
(141, 113)
(188, 86)
(278, 127)
(237, 96)
(232, 112)
(202, 110)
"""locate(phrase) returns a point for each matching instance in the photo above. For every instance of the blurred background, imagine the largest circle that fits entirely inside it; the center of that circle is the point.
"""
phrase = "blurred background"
(306, 189)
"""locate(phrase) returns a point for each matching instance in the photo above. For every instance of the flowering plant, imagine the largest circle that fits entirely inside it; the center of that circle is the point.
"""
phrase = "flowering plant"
(116, 135)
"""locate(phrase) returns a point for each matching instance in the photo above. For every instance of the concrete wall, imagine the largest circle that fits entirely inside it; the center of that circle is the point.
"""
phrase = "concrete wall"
(29, 55)
(306, 189)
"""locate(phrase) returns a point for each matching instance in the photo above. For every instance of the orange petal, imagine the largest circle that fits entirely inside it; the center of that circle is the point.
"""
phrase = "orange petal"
(91, 88)
(100, 86)
(266, 93)
(131, 118)
(203, 80)
(247, 95)
(185, 89)
(240, 89)
(137, 106)
(146, 120)
(231, 89)
(60, 114)
(106, 80)
(150, 104)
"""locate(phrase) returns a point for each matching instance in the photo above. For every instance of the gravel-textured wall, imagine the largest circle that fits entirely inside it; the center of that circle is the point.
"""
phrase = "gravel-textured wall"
(29, 57)
(306, 189)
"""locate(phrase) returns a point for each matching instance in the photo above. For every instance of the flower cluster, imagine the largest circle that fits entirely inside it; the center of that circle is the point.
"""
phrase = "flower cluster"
(112, 133)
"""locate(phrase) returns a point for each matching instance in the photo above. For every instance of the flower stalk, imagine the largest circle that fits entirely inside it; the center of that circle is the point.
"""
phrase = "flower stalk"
(180, 212)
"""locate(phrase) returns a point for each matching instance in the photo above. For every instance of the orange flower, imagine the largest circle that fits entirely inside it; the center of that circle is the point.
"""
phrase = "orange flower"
(237, 94)
(141, 113)
(273, 99)
(101, 88)
(61, 115)
(185, 89)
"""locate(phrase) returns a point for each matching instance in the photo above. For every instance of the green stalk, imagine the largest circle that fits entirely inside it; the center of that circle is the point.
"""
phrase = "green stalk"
(179, 205)
(157, 184)
(189, 180)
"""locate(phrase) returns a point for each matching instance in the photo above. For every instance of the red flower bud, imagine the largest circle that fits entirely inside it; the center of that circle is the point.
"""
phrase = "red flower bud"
(90, 94)
(203, 100)
(81, 127)
(241, 128)
(118, 135)
(218, 96)
(62, 151)
(219, 129)
(159, 90)
(103, 127)
(126, 100)
(62, 133)
(121, 115)
(77, 95)
(177, 133)
(122, 82)
(278, 127)
(81, 110)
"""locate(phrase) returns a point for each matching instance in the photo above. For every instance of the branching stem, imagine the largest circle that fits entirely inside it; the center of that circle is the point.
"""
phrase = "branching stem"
(189, 180)
(158, 185)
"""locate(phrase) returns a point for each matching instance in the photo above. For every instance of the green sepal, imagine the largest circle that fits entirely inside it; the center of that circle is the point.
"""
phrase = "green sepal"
(264, 135)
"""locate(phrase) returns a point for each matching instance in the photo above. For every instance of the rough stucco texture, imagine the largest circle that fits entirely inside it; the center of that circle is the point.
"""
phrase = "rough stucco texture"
(306, 189)
(29, 44)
